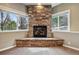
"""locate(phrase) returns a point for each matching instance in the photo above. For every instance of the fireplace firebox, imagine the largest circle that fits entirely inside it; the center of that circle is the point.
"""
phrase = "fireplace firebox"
(40, 31)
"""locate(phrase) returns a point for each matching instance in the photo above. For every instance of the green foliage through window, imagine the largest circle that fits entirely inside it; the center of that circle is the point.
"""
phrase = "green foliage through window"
(9, 21)
(60, 21)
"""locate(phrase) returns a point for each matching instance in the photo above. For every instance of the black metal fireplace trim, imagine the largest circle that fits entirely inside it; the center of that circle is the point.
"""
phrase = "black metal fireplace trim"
(39, 29)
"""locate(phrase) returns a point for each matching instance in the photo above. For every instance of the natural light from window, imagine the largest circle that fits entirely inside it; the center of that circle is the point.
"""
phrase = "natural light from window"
(10, 21)
(61, 21)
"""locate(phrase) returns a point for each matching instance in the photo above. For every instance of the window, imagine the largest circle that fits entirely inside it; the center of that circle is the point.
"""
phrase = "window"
(11, 21)
(23, 23)
(60, 21)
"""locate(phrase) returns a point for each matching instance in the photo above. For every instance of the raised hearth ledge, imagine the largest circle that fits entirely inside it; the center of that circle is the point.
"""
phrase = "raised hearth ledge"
(39, 42)
(39, 39)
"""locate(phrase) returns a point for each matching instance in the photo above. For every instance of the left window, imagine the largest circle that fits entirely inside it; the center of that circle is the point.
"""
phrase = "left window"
(11, 21)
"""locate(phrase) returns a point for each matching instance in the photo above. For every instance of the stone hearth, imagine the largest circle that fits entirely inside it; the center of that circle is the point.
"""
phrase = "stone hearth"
(39, 42)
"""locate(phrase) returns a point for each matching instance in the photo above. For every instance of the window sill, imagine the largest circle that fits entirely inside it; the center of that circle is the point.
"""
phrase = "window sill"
(75, 32)
(13, 31)
(61, 31)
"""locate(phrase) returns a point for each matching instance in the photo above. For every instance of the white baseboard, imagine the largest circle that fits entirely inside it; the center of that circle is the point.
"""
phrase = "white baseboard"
(7, 48)
(71, 47)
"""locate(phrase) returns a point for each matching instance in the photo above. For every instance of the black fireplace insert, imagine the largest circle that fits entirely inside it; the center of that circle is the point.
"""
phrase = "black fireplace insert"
(40, 31)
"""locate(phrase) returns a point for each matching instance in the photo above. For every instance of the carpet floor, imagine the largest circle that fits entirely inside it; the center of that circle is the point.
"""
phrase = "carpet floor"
(40, 51)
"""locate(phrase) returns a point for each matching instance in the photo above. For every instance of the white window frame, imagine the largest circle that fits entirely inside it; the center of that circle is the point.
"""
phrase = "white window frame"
(22, 29)
(17, 14)
(59, 13)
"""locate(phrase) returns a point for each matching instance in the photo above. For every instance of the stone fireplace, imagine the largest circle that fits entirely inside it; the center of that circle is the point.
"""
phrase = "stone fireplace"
(39, 34)
(40, 31)
(39, 21)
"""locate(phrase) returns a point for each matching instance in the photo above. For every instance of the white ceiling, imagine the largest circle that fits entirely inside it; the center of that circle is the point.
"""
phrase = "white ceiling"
(53, 4)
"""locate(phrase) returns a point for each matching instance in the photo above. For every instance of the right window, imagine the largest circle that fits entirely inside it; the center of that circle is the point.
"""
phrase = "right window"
(23, 23)
(61, 21)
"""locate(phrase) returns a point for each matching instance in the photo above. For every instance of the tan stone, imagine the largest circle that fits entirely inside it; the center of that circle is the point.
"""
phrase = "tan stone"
(39, 18)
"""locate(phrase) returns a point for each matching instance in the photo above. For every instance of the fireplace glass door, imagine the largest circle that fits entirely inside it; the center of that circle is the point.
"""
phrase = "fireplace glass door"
(40, 31)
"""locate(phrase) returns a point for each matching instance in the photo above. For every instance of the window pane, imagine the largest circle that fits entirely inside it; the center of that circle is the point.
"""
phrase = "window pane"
(4, 20)
(13, 18)
(63, 22)
(8, 21)
(0, 20)
(23, 23)
(55, 23)
(63, 28)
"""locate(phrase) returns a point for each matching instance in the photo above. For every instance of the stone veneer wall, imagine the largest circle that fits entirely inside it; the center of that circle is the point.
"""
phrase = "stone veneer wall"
(39, 43)
(39, 16)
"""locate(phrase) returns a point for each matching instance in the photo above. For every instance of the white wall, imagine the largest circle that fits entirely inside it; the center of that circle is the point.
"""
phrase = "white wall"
(7, 39)
(14, 7)
(70, 38)
(74, 13)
